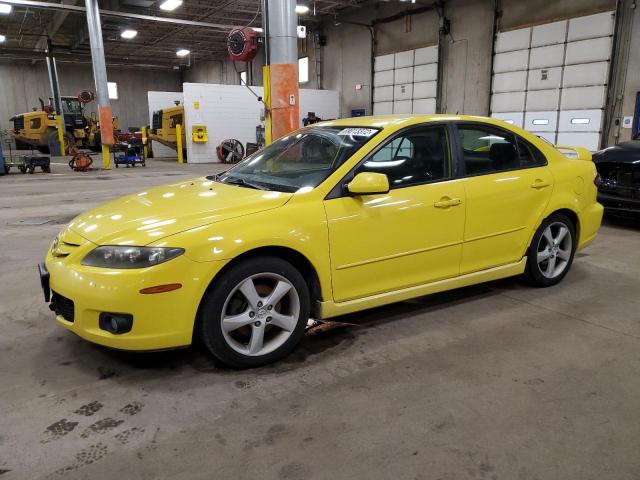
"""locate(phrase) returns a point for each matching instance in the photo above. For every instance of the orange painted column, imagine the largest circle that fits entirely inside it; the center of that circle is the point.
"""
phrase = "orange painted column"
(284, 99)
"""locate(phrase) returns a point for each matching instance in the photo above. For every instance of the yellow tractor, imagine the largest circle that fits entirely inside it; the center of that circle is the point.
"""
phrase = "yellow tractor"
(38, 129)
(163, 127)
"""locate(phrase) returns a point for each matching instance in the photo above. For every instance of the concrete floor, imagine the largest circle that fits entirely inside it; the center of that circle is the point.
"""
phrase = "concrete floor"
(497, 381)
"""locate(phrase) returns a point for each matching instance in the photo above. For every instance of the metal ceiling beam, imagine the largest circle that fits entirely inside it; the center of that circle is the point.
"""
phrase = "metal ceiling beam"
(112, 13)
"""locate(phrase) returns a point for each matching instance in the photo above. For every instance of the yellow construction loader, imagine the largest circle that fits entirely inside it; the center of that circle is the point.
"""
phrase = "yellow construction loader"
(163, 128)
(38, 129)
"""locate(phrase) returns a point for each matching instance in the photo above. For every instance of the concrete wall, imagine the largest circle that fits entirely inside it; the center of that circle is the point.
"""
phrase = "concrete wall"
(22, 83)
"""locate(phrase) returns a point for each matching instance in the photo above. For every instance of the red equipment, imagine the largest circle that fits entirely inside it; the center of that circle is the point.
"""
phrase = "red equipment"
(230, 151)
(242, 44)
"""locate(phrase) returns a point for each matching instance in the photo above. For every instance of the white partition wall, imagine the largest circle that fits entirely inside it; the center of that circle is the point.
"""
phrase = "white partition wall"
(158, 101)
(551, 79)
(406, 82)
(232, 111)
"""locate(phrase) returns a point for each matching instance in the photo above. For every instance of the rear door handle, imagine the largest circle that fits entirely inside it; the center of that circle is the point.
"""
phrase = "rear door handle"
(538, 184)
(446, 202)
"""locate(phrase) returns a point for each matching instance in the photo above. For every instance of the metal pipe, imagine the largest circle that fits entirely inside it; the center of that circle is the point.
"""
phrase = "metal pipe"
(283, 37)
(53, 79)
(114, 13)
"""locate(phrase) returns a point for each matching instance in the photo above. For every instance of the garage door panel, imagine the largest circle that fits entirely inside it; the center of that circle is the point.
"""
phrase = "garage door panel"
(541, 121)
(381, 79)
(510, 61)
(425, 90)
(426, 55)
(513, 40)
(404, 59)
(549, 34)
(425, 73)
(403, 75)
(580, 120)
(383, 108)
(590, 141)
(507, 102)
(584, 51)
(424, 106)
(383, 94)
(513, 118)
(542, 100)
(403, 92)
(402, 106)
(551, 56)
(510, 82)
(545, 78)
(583, 98)
(591, 26)
(384, 62)
(586, 74)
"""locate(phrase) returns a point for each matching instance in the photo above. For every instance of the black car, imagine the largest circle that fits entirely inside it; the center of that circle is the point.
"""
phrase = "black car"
(619, 169)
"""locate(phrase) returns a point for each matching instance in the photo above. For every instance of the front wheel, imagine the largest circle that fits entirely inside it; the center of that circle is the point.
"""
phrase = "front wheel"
(256, 313)
(551, 252)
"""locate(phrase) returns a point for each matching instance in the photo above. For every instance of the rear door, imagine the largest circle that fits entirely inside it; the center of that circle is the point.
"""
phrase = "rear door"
(507, 186)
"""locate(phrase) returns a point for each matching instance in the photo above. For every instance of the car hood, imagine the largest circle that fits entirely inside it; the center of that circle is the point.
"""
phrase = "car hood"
(146, 217)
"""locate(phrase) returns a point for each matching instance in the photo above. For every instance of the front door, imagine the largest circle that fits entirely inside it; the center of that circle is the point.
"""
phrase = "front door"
(409, 236)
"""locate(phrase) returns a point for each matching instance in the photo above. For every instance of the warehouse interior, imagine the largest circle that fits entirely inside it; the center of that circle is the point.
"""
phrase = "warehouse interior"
(489, 381)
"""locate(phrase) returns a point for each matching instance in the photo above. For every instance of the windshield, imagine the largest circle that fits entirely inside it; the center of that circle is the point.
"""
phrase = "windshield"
(71, 105)
(303, 159)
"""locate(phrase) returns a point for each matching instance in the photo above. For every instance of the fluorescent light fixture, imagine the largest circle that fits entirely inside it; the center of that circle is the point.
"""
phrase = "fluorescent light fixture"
(169, 5)
(302, 9)
(183, 52)
(129, 34)
(2, 38)
(257, 29)
(5, 8)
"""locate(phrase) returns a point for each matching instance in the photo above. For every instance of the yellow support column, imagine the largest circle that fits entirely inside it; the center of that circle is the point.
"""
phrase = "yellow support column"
(144, 141)
(61, 134)
(266, 82)
(179, 143)
(106, 159)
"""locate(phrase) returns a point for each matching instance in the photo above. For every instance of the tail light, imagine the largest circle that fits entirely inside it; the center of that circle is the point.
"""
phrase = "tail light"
(597, 180)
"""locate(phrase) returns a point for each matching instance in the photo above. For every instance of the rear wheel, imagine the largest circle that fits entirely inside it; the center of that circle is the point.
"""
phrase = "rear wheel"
(551, 252)
(256, 313)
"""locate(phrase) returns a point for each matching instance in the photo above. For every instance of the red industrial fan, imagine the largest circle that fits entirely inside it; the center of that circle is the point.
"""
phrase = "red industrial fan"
(230, 151)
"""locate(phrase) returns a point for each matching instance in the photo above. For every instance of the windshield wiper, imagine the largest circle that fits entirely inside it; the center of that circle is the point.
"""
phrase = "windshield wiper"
(243, 183)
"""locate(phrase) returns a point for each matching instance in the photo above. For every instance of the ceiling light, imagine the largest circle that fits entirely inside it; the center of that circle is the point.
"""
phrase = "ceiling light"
(2, 38)
(183, 52)
(129, 33)
(5, 8)
(302, 9)
(169, 5)
(257, 29)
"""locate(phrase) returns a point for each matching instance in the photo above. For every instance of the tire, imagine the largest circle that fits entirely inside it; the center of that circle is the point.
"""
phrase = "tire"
(31, 170)
(46, 169)
(22, 169)
(281, 325)
(551, 252)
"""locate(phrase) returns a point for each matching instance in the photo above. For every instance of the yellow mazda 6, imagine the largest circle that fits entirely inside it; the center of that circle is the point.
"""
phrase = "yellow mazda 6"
(335, 218)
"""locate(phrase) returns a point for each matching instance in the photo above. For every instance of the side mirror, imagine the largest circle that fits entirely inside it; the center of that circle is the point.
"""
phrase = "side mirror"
(368, 183)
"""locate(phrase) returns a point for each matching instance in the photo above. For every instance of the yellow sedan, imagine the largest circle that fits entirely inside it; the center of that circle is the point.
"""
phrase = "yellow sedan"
(332, 219)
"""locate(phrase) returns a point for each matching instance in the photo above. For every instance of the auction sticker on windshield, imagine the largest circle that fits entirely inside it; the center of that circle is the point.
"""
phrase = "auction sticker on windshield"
(358, 132)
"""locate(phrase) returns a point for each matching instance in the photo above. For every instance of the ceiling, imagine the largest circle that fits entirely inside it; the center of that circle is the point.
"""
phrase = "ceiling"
(27, 29)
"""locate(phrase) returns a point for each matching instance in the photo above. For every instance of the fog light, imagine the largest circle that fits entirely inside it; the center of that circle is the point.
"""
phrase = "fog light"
(115, 323)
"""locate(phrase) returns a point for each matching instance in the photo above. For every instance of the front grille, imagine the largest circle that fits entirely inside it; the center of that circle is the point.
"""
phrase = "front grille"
(156, 122)
(18, 123)
(63, 306)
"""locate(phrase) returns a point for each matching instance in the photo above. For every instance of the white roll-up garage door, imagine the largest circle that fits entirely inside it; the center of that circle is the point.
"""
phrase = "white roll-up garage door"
(406, 82)
(551, 79)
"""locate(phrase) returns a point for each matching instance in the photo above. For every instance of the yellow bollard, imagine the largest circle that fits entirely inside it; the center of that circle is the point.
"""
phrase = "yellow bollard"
(63, 151)
(144, 141)
(106, 159)
(179, 143)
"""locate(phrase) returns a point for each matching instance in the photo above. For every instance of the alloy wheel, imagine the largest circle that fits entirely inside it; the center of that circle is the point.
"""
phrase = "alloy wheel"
(554, 250)
(260, 314)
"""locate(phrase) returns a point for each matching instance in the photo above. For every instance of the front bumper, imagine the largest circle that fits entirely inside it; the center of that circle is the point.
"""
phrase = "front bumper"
(160, 321)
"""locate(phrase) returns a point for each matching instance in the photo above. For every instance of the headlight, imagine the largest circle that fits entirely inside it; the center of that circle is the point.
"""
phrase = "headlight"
(129, 257)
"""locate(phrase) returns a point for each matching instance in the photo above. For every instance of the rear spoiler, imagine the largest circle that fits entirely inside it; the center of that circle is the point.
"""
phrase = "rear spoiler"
(578, 152)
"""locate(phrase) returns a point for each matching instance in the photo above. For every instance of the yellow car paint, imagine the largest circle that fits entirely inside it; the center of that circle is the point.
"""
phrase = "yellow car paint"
(367, 250)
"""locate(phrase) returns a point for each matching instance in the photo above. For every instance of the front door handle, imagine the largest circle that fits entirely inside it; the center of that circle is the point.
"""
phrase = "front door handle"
(446, 202)
(538, 184)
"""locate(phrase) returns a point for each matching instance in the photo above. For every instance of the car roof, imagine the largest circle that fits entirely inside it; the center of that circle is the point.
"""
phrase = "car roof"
(399, 120)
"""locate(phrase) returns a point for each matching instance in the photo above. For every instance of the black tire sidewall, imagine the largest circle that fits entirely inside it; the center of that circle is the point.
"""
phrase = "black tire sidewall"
(210, 314)
(533, 273)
